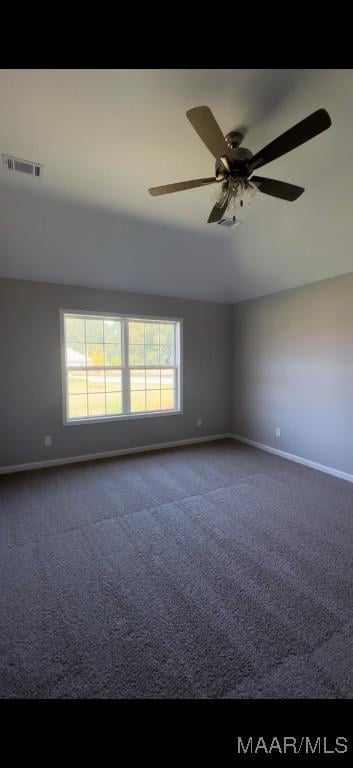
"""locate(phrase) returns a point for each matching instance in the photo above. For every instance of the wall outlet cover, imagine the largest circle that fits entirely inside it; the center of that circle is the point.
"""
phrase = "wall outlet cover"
(47, 440)
(278, 431)
(199, 422)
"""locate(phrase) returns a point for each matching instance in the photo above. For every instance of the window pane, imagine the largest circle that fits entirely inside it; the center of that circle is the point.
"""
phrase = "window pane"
(94, 331)
(167, 399)
(153, 400)
(167, 378)
(137, 380)
(95, 355)
(136, 333)
(136, 354)
(76, 382)
(77, 406)
(167, 355)
(167, 334)
(113, 381)
(112, 331)
(96, 405)
(96, 381)
(153, 379)
(112, 354)
(152, 333)
(113, 403)
(75, 354)
(138, 401)
(152, 355)
(75, 329)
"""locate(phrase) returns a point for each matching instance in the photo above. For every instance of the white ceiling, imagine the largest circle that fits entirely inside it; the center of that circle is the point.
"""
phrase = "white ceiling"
(105, 136)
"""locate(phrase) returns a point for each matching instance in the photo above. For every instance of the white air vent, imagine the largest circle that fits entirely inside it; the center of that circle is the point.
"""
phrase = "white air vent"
(17, 165)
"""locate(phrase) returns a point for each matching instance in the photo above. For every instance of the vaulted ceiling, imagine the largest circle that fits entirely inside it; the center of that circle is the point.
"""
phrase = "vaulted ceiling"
(105, 136)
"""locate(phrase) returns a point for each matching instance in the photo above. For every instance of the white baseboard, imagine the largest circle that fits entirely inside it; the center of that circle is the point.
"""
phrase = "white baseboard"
(297, 459)
(109, 454)
(175, 444)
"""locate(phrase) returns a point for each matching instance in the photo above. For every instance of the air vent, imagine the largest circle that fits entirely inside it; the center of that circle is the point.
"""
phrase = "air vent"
(17, 165)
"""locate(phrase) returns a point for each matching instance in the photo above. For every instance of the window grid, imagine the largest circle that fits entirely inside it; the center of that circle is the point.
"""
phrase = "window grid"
(145, 388)
(163, 352)
(109, 387)
(98, 398)
(147, 398)
(160, 393)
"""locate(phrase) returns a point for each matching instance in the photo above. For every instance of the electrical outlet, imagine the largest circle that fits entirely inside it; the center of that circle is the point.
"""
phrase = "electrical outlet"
(278, 431)
(47, 440)
(199, 421)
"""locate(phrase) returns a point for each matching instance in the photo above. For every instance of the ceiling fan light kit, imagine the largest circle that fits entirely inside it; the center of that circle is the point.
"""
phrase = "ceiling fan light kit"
(235, 164)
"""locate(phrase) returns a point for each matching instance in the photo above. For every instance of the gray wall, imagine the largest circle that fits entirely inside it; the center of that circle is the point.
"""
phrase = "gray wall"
(293, 368)
(30, 381)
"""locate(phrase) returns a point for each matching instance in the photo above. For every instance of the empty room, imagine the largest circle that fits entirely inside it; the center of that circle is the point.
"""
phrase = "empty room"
(176, 390)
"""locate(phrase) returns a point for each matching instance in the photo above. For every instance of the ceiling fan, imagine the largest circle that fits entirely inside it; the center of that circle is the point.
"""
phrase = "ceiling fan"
(235, 164)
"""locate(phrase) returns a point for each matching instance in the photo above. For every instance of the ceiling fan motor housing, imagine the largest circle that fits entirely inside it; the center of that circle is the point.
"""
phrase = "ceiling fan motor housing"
(236, 158)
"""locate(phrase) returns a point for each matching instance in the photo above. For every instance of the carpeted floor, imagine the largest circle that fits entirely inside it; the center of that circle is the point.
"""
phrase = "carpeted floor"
(209, 571)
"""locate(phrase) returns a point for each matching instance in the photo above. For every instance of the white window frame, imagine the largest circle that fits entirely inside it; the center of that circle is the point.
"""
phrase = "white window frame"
(125, 368)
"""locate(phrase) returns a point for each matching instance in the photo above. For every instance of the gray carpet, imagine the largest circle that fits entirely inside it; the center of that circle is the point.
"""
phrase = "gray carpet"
(210, 571)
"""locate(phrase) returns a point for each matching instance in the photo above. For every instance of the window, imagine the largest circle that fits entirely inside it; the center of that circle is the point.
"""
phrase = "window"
(119, 367)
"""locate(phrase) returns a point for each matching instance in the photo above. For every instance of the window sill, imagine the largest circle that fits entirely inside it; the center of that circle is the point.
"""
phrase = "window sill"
(122, 417)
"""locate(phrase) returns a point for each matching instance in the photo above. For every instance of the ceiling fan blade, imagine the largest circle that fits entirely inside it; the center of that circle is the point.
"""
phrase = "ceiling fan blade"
(205, 124)
(278, 188)
(218, 211)
(180, 185)
(300, 133)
